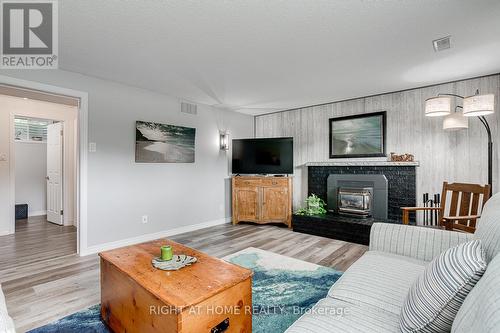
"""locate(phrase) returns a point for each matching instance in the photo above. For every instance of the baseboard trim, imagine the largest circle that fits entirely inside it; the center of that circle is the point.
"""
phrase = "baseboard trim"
(149, 237)
(37, 213)
(5, 232)
(69, 222)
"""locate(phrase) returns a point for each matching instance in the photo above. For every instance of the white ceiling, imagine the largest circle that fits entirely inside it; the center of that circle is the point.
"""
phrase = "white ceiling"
(258, 56)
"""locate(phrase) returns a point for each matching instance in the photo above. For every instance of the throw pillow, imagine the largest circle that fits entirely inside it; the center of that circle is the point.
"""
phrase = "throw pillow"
(437, 294)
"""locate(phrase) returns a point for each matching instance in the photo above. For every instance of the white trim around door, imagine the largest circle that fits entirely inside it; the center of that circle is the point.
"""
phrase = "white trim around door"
(82, 165)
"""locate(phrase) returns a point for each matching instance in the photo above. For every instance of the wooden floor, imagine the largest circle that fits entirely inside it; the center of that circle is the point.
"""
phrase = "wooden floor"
(42, 288)
(36, 239)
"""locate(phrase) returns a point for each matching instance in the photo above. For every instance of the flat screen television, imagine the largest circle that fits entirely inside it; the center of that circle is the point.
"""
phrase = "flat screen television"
(263, 156)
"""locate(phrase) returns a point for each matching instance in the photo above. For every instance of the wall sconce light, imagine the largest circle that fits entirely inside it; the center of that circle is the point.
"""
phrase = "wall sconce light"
(224, 140)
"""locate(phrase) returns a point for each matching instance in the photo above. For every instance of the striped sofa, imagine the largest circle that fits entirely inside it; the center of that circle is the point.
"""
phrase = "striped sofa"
(370, 294)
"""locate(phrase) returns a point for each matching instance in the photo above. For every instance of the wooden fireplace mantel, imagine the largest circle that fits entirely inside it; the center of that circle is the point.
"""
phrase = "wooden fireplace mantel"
(362, 163)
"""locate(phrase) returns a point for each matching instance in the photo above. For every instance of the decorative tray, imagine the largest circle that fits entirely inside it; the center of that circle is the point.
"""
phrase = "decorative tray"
(177, 262)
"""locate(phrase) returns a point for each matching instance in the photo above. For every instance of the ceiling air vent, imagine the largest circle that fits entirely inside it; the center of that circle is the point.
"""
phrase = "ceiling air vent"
(441, 43)
(189, 108)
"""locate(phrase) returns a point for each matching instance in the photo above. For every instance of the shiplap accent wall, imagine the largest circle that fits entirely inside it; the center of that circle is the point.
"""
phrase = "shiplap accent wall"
(452, 156)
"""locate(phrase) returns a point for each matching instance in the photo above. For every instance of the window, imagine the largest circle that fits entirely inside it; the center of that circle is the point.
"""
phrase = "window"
(30, 129)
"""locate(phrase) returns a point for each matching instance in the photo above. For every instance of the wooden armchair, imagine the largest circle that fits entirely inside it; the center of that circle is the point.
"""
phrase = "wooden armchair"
(463, 209)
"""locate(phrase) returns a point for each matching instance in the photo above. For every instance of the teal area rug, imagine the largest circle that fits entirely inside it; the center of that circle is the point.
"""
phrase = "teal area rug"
(282, 289)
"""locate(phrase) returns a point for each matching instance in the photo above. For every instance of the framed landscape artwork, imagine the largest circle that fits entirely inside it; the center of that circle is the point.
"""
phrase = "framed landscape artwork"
(358, 136)
(161, 143)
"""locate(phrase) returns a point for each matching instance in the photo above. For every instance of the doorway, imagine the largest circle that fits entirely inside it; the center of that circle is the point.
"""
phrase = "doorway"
(11, 86)
(43, 173)
(39, 180)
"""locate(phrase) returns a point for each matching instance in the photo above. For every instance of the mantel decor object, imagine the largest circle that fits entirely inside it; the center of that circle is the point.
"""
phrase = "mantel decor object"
(473, 106)
(177, 262)
(402, 158)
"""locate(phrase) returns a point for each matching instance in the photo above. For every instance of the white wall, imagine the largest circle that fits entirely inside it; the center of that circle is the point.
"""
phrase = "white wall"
(120, 191)
(459, 156)
(31, 170)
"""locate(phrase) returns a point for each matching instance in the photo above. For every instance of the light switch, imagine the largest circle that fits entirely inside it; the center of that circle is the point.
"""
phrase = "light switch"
(92, 147)
(3, 157)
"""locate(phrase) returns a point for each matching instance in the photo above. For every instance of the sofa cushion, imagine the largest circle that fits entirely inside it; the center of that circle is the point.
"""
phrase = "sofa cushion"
(417, 242)
(481, 309)
(437, 294)
(334, 316)
(488, 227)
(378, 279)
(6, 323)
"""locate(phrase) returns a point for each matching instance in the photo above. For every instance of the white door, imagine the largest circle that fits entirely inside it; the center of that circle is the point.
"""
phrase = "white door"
(54, 173)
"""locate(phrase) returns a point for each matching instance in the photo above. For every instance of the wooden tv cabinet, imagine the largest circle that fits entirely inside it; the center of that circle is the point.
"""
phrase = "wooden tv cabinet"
(261, 199)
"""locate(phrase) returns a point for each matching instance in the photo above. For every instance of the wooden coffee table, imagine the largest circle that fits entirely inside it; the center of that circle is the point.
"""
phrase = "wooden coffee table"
(210, 296)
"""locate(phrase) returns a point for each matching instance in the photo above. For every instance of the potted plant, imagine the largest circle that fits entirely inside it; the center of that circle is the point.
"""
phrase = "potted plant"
(314, 205)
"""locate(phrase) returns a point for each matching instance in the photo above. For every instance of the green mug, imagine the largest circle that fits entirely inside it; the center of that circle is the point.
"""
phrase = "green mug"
(166, 252)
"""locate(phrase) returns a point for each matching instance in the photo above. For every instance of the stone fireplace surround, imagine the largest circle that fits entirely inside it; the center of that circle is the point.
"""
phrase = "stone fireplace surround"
(401, 179)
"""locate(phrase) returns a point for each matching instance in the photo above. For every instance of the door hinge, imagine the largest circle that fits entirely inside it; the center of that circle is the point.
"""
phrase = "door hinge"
(61, 212)
(61, 132)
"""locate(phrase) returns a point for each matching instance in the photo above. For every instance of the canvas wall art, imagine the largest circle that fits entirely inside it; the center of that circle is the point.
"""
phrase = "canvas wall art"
(161, 143)
(358, 136)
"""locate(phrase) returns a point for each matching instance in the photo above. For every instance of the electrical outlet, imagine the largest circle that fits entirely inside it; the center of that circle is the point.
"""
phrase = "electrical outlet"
(144, 219)
(92, 147)
(3, 157)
